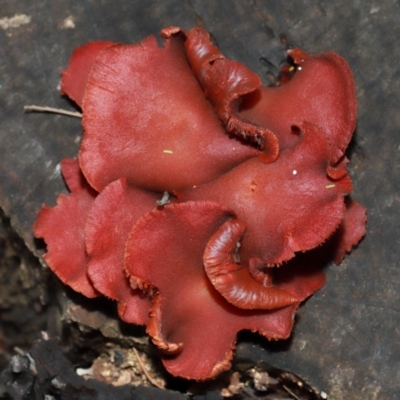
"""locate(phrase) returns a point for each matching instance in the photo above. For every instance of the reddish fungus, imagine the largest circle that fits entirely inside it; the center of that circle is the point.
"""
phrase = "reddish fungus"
(246, 288)
(288, 206)
(203, 203)
(66, 254)
(158, 131)
(74, 79)
(224, 82)
(115, 210)
(187, 311)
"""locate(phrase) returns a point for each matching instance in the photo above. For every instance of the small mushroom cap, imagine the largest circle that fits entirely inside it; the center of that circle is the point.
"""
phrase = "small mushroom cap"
(74, 78)
(321, 92)
(72, 174)
(62, 228)
(113, 214)
(351, 230)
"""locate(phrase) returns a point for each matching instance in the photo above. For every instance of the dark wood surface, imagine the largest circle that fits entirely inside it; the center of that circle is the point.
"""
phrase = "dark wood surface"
(347, 337)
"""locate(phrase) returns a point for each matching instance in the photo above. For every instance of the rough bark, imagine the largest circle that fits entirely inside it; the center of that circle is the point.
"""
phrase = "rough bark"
(346, 336)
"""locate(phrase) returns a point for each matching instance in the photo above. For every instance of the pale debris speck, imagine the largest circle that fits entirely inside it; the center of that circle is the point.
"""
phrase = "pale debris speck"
(294, 172)
(168, 152)
(164, 200)
(302, 344)
(56, 172)
(15, 22)
(58, 383)
(84, 371)
(44, 335)
(68, 23)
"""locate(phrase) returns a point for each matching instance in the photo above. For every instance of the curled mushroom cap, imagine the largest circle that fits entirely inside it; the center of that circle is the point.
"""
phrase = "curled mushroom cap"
(225, 82)
(321, 92)
(190, 320)
(288, 206)
(62, 228)
(235, 282)
(146, 118)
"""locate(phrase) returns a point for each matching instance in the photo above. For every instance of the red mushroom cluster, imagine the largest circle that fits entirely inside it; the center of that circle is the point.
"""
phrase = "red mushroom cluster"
(202, 202)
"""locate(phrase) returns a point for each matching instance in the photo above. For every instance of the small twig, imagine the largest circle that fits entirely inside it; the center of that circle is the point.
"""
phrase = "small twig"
(291, 393)
(54, 111)
(249, 393)
(149, 378)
